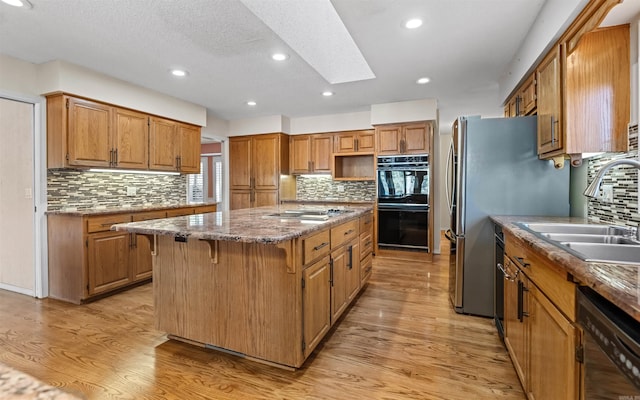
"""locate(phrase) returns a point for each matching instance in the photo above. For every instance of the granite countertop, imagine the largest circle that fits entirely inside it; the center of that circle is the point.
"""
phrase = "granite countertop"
(17, 385)
(618, 283)
(124, 209)
(250, 225)
(327, 202)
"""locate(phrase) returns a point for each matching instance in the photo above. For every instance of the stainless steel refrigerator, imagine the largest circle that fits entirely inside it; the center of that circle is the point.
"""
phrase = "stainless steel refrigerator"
(493, 169)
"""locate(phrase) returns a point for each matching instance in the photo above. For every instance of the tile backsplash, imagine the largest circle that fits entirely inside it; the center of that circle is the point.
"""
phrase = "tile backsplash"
(68, 189)
(624, 208)
(316, 188)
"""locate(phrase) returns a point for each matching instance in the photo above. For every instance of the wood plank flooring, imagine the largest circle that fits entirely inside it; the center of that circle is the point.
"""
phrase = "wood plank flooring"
(400, 340)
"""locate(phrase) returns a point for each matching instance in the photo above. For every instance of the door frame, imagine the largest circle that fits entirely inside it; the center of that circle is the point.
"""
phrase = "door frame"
(41, 265)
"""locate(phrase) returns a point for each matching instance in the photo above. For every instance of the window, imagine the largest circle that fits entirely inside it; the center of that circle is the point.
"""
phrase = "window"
(207, 185)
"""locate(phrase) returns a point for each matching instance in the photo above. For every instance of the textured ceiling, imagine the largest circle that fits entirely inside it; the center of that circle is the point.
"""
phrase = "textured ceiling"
(463, 46)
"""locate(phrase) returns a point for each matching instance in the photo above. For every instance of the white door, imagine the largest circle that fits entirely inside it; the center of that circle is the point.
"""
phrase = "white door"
(17, 206)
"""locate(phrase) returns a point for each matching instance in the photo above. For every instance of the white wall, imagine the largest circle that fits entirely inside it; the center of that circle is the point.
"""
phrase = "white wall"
(404, 111)
(254, 126)
(18, 77)
(60, 76)
(331, 123)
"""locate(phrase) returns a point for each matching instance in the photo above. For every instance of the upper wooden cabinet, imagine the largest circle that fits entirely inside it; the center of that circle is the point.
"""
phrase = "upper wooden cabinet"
(311, 153)
(86, 133)
(411, 138)
(548, 75)
(174, 146)
(582, 89)
(355, 141)
(255, 165)
(523, 102)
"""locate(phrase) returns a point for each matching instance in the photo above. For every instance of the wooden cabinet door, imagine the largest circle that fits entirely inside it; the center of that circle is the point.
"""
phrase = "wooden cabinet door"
(366, 141)
(352, 271)
(528, 101)
(514, 323)
(316, 303)
(388, 139)
(415, 139)
(239, 199)
(300, 154)
(162, 145)
(240, 163)
(131, 139)
(338, 283)
(321, 148)
(263, 198)
(141, 262)
(549, 103)
(108, 261)
(345, 142)
(553, 369)
(189, 145)
(89, 133)
(265, 162)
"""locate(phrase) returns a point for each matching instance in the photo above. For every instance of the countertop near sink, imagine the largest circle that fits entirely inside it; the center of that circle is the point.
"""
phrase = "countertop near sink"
(250, 225)
(619, 283)
(125, 209)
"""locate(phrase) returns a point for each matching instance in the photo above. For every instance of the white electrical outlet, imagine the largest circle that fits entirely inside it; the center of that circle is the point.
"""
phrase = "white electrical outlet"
(131, 190)
(607, 193)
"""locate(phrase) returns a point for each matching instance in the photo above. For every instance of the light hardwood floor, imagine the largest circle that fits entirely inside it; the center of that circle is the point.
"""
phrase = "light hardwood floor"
(400, 340)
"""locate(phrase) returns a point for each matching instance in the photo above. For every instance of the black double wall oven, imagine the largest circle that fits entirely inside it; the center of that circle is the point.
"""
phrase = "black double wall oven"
(403, 202)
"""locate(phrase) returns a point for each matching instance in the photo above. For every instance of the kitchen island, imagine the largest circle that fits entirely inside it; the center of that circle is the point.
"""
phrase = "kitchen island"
(263, 283)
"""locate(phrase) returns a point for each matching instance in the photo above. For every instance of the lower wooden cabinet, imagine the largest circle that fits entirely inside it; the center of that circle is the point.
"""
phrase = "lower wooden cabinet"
(338, 283)
(540, 333)
(316, 303)
(87, 259)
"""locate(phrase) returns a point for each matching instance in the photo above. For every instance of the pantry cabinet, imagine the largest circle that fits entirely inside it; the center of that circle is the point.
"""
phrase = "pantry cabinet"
(83, 133)
(255, 165)
(414, 138)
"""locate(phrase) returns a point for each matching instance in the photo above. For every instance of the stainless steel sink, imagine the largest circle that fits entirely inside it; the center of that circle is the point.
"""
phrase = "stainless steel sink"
(591, 242)
(582, 238)
(616, 253)
(587, 229)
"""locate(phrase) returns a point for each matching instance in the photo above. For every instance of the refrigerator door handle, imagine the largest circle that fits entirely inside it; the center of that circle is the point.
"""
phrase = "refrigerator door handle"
(449, 190)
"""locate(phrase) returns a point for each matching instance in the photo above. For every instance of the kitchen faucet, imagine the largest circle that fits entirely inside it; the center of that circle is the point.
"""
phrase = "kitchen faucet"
(593, 189)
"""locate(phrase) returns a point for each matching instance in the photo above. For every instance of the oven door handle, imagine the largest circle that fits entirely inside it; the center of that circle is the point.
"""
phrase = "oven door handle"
(411, 208)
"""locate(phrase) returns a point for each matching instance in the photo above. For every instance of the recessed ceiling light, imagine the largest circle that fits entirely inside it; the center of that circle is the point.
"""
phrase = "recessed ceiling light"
(279, 56)
(422, 81)
(251, 103)
(178, 72)
(18, 3)
(413, 23)
(327, 93)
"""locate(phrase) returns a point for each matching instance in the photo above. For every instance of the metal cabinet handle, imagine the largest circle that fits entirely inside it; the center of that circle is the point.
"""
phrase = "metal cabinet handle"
(522, 262)
(350, 266)
(331, 272)
(115, 157)
(321, 245)
(348, 232)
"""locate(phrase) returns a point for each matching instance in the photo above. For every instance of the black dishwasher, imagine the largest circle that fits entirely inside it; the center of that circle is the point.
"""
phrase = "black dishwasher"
(498, 272)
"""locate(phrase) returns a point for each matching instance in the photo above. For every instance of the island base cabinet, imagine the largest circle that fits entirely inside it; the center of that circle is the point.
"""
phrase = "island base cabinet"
(241, 297)
(315, 303)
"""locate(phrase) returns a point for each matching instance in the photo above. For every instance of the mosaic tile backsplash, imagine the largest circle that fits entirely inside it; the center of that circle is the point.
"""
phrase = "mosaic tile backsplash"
(624, 208)
(68, 189)
(324, 188)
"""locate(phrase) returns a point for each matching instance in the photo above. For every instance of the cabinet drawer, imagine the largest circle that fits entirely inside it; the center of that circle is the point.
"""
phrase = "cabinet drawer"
(366, 266)
(178, 212)
(366, 244)
(315, 246)
(103, 223)
(551, 280)
(143, 216)
(366, 223)
(206, 209)
(344, 233)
